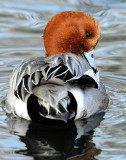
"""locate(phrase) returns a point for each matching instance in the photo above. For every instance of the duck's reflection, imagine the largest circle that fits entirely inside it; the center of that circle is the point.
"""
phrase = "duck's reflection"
(64, 142)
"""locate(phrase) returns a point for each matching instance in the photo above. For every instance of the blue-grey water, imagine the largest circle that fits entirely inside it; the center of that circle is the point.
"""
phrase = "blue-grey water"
(21, 28)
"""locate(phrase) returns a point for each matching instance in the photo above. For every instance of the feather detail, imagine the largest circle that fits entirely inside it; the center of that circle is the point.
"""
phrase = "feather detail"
(50, 88)
(30, 73)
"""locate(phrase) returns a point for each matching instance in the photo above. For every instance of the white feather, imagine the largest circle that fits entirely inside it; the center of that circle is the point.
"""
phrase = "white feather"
(79, 96)
(21, 109)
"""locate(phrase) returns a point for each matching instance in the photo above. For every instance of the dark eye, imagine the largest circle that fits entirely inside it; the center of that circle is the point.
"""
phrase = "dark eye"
(92, 56)
(88, 34)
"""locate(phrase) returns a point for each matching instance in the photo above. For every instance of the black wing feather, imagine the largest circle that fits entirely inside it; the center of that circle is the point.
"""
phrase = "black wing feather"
(31, 71)
(61, 71)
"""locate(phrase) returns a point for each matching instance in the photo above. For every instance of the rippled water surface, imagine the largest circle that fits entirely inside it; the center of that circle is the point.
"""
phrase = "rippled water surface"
(21, 27)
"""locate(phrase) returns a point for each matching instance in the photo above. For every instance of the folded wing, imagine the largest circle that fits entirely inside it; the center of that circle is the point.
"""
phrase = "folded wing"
(33, 71)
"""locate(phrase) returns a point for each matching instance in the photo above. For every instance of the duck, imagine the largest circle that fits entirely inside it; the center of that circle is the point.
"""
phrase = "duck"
(64, 85)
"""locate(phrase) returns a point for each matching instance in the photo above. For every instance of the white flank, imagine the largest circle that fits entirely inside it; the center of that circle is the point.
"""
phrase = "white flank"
(21, 109)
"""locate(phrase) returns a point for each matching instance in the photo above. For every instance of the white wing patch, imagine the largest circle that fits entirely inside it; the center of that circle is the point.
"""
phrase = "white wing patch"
(78, 94)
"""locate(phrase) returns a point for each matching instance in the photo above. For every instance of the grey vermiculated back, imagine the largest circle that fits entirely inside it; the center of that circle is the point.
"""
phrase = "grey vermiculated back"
(39, 67)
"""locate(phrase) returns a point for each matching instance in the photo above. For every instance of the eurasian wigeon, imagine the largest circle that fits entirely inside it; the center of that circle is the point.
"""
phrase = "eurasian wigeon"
(64, 85)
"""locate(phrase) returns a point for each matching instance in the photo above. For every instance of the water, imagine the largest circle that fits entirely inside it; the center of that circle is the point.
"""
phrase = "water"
(21, 27)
